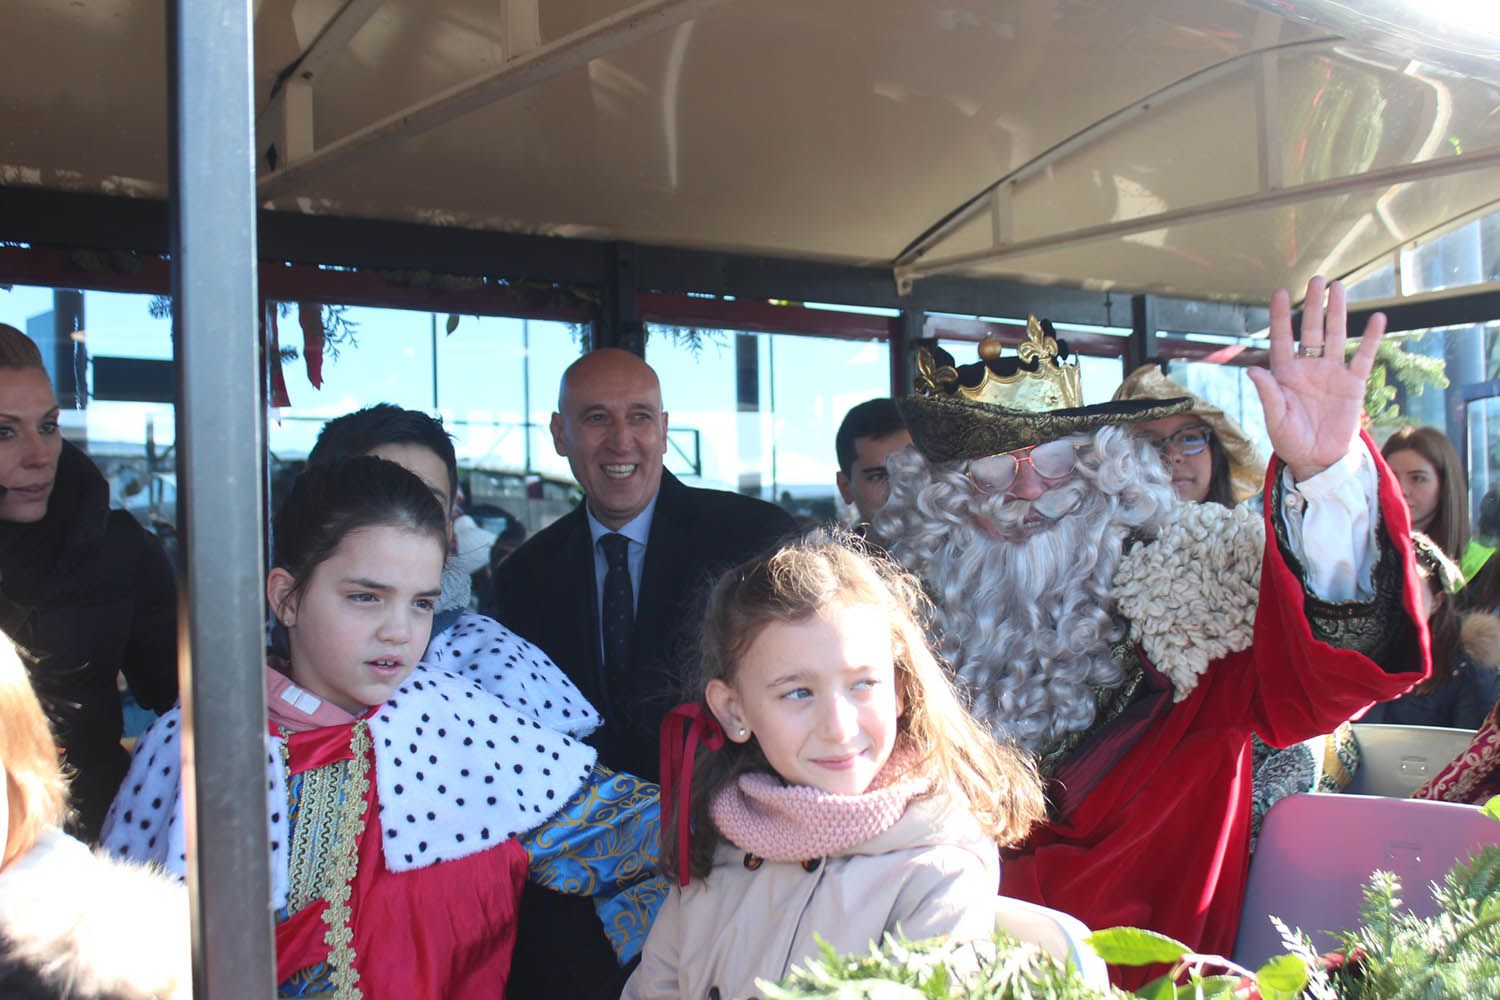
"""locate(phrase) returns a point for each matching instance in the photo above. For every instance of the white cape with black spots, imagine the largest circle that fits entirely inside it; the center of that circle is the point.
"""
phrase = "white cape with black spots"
(484, 651)
(456, 772)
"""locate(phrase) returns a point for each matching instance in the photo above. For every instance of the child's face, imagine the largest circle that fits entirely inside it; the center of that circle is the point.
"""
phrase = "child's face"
(820, 697)
(426, 465)
(362, 621)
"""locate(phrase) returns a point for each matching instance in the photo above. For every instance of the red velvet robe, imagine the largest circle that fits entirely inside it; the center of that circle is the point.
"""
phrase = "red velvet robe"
(1162, 841)
(445, 930)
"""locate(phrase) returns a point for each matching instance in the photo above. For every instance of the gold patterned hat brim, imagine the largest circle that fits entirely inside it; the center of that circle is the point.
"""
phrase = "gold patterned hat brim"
(949, 430)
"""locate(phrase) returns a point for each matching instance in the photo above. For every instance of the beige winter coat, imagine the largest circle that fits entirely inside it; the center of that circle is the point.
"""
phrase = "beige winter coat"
(933, 872)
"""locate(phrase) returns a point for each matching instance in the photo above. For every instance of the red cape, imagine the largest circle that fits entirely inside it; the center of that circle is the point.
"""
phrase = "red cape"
(446, 930)
(1162, 841)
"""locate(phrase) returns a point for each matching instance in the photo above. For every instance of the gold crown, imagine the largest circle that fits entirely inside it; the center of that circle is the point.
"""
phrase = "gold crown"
(1041, 377)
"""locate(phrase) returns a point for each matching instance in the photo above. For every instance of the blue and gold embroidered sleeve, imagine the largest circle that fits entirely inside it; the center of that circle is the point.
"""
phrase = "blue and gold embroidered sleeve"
(603, 844)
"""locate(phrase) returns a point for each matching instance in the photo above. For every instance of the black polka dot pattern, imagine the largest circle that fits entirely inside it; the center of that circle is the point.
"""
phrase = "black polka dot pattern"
(450, 795)
(523, 677)
(460, 793)
(146, 822)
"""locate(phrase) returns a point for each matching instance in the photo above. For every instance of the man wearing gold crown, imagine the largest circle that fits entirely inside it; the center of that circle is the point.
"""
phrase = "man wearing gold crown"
(1134, 642)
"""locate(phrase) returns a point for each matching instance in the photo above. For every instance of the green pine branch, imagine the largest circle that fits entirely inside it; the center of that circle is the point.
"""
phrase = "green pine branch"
(1393, 955)
(1396, 367)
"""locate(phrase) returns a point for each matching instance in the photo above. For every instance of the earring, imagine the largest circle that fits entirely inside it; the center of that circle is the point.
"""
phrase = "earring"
(743, 732)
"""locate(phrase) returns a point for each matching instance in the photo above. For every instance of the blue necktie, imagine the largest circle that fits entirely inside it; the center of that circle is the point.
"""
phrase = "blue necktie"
(617, 623)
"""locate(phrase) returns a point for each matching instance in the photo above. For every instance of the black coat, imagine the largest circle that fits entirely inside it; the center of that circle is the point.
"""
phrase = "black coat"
(90, 595)
(546, 591)
(1462, 702)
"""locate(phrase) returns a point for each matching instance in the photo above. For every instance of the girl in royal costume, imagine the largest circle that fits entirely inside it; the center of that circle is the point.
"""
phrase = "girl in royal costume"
(407, 806)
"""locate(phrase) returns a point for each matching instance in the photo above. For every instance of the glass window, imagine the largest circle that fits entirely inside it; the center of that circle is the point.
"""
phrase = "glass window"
(493, 380)
(1467, 254)
(1483, 426)
(1469, 355)
(1377, 284)
(757, 413)
(1450, 260)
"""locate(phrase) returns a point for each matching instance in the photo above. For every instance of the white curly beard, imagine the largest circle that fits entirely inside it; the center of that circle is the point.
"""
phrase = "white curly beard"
(1028, 623)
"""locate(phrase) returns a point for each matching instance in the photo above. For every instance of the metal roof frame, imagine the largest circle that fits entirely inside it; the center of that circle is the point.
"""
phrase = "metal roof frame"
(298, 160)
(996, 201)
(54, 218)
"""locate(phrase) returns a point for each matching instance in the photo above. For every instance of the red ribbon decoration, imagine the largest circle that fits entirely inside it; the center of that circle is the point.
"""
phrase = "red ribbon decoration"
(682, 730)
(279, 397)
(310, 318)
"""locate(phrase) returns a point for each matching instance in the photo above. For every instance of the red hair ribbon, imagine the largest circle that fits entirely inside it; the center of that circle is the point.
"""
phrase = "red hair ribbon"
(682, 730)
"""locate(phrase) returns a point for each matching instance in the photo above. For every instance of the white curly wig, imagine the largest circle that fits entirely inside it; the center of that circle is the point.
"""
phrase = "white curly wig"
(1028, 624)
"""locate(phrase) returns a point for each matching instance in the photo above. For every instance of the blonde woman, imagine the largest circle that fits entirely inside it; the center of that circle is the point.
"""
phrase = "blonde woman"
(84, 589)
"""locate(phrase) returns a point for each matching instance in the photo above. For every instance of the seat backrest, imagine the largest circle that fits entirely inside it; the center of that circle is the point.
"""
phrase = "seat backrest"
(1397, 760)
(1058, 933)
(1316, 853)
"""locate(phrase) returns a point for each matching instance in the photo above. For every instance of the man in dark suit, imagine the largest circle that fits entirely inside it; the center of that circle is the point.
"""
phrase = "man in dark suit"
(611, 592)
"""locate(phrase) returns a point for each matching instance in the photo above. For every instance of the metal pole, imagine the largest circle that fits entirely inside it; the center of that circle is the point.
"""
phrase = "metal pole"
(906, 330)
(1142, 346)
(619, 324)
(771, 400)
(434, 364)
(526, 395)
(220, 448)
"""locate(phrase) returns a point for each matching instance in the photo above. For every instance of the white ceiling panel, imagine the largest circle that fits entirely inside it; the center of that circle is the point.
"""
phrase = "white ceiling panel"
(840, 130)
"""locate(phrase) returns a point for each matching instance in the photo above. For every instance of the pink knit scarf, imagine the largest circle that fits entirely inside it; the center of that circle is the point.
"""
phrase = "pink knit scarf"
(780, 822)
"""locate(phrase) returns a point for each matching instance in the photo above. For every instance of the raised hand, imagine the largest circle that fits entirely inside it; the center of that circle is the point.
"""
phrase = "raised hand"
(1312, 399)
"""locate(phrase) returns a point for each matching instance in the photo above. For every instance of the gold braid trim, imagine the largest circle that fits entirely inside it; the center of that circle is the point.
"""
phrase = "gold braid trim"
(315, 837)
(340, 936)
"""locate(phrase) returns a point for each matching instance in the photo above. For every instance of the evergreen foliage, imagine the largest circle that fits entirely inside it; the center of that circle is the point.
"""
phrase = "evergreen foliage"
(936, 970)
(1392, 956)
(1398, 956)
(1397, 368)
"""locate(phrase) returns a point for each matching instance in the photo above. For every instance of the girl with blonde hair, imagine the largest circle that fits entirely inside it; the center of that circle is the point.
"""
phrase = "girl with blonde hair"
(846, 792)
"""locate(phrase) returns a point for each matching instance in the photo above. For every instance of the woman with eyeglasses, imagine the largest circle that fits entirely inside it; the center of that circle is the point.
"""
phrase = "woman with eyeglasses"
(1211, 459)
